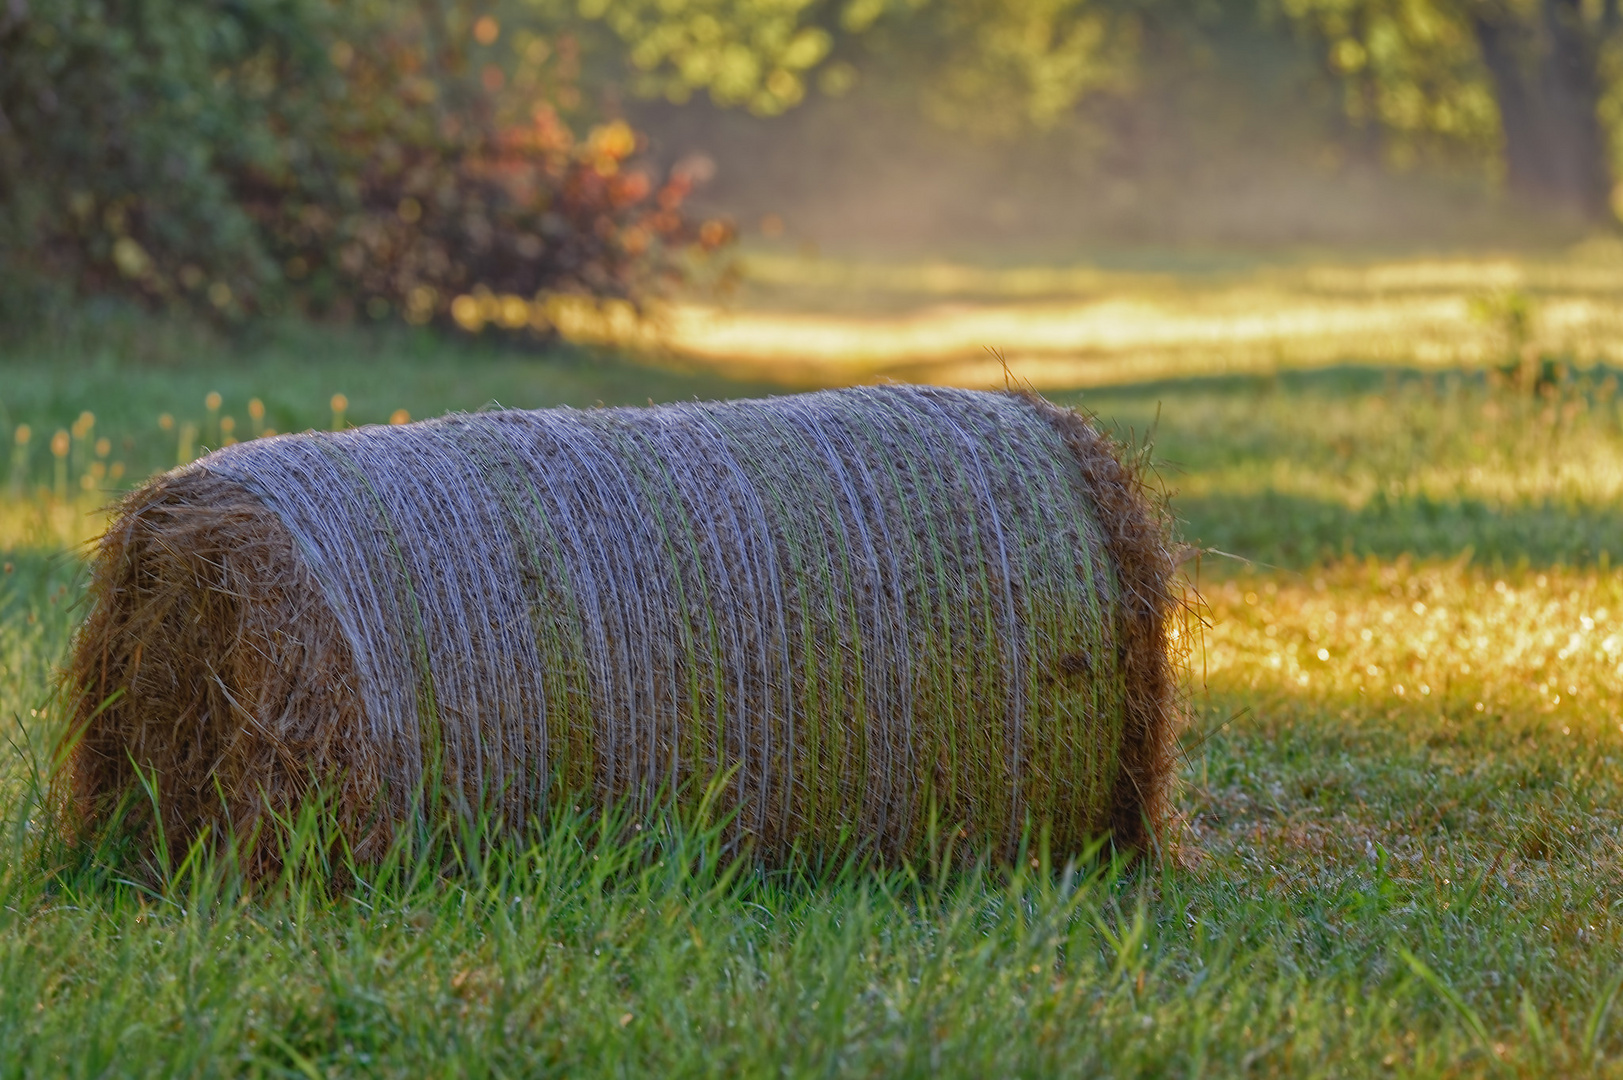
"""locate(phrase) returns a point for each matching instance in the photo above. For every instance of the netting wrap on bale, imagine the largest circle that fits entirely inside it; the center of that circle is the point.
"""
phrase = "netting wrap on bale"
(857, 608)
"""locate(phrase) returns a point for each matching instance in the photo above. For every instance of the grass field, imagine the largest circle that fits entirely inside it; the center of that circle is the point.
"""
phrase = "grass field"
(800, 321)
(1401, 794)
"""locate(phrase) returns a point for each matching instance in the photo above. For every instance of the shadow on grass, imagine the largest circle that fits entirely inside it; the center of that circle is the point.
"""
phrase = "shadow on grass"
(1330, 379)
(1294, 531)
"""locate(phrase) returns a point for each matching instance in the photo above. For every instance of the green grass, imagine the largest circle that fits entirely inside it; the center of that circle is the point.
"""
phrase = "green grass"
(295, 370)
(1399, 856)
(1294, 470)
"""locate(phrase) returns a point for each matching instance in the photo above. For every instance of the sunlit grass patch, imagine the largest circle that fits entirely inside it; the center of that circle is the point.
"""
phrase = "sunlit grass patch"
(806, 321)
(1438, 643)
(1595, 266)
(1392, 756)
(1439, 712)
(1498, 450)
(1100, 341)
(41, 523)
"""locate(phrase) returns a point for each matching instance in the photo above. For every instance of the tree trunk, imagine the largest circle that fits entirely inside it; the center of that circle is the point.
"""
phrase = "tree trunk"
(1548, 92)
(1572, 88)
(1524, 150)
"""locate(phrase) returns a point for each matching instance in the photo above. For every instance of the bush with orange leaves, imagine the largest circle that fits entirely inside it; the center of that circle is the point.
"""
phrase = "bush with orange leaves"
(470, 189)
(465, 199)
(346, 165)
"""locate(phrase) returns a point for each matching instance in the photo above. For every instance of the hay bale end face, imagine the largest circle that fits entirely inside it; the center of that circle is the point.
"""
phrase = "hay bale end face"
(855, 606)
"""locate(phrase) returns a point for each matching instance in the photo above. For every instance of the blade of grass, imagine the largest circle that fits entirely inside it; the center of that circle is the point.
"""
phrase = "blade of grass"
(1467, 1015)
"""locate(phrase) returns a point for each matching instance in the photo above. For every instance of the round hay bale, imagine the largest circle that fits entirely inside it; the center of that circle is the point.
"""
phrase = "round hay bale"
(858, 608)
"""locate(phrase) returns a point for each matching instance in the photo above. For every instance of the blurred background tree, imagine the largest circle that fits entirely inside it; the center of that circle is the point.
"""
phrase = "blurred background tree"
(1533, 81)
(352, 158)
(123, 126)
(1527, 89)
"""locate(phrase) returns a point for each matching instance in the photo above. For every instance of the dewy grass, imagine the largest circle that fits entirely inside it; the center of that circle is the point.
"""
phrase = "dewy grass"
(1331, 830)
(739, 588)
(1333, 838)
(587, 946)
(1543, 647)
(1423, 757)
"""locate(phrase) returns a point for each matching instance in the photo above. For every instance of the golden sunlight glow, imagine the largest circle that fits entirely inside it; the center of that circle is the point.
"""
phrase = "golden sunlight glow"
(1440, 638)
(1070, 327)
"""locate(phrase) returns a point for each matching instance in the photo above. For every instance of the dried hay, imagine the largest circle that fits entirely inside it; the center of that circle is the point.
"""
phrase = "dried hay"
(859, 607)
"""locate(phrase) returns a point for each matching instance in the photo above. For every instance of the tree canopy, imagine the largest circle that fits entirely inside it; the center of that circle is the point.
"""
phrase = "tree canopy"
(1529, 89)
(360, 155)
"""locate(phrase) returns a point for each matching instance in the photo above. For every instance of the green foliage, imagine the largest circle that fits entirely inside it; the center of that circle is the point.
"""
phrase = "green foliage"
(744, 52)
(993, 65)
(1516, 91)
(124, 124)
(275, 154)
(450, 171)
(1002, 68)
(1410, 73)
(1527, 87)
